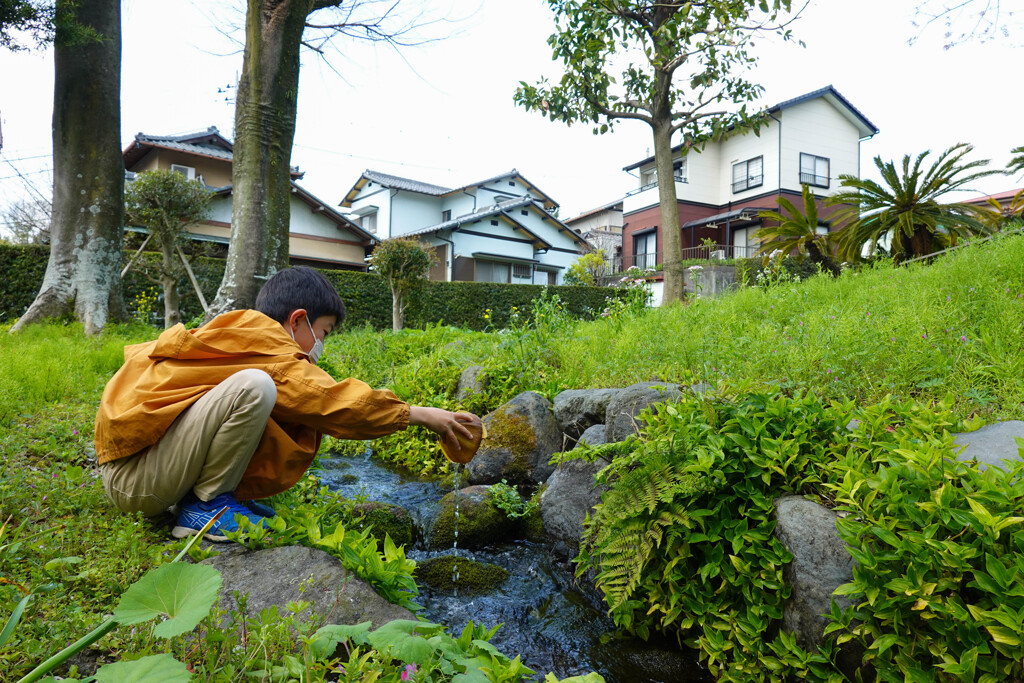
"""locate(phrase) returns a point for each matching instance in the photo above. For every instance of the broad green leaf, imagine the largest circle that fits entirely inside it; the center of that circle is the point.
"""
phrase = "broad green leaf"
(1004, 635)
(153, 669)
(883, 643)
(327, 637)
(61, 562)
(184, 593)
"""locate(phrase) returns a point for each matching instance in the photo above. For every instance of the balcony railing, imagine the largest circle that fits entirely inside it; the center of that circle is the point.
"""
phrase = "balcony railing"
(648, 186)
(709, 253)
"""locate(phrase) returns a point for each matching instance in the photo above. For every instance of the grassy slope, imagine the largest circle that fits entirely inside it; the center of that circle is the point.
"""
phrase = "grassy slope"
(953, 327)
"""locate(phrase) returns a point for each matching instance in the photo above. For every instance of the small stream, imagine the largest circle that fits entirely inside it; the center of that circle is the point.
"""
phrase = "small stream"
(551, 624)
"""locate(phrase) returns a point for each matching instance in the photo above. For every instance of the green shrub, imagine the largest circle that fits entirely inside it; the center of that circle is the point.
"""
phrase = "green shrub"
(683, 541)
(939, 548)
(366, 295)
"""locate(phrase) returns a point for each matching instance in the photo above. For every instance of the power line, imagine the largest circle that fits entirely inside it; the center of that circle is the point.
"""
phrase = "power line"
(40, 156)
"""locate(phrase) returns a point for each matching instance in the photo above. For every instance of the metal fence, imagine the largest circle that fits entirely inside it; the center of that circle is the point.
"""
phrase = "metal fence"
(707, 252)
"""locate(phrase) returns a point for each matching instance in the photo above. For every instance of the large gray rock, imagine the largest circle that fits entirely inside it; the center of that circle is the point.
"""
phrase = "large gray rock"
(992, 444)
(578, 409)
(277, 576)
(621, 414)
(472, 381)
(479, 522)
(570, 495)
(522, 435)
(820, 564)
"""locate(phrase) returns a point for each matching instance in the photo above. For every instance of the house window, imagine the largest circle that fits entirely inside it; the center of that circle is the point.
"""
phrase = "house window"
(522, 271)
(649, 178)
(369, 223)
(748, 174)
(446, 215)
(645, 250)
(488, 271)
(679, 170)
(814, 170)
(186, 171)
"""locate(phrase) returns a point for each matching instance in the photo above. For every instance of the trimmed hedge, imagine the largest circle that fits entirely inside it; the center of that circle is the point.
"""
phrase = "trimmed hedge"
(366, 295)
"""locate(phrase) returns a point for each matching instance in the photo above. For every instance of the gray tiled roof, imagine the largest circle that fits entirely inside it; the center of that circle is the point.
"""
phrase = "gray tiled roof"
(169, 142)
(399, 183)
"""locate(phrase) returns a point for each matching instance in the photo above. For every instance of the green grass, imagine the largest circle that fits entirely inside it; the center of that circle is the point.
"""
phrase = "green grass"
(921, 332)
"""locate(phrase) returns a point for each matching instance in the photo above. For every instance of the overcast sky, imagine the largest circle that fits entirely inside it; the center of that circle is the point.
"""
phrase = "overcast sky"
(443, 112)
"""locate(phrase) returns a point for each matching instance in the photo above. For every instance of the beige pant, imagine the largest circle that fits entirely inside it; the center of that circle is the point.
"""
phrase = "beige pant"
(205, 450)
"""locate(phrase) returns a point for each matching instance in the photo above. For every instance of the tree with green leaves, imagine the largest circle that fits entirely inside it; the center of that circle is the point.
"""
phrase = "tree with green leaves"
(83, 275)
(905, 208)
(798, 231)
(588, 269)
(265, 109)
(680, 70)
(165, 203)
(38, 21)
(404, 263)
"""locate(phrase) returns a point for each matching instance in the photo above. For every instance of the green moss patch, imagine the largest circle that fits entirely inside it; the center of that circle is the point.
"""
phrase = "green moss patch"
(512, 431)
(448, 573)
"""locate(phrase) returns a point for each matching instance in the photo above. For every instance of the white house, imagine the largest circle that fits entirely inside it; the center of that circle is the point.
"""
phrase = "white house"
(601, 227)
(808, 140)
(497, 230)
(319, 235)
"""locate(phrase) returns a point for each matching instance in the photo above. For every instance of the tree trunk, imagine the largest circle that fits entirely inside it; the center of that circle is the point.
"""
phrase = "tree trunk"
(83, 275)
(672, 249)
(397, 310)
(169, 281)
(820, 258)
(265, 111)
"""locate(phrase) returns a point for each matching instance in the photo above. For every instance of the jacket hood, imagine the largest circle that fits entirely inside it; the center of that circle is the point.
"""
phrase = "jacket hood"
(235, 333)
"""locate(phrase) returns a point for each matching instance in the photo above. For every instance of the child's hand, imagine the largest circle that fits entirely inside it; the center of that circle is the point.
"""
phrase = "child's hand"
(444, 422)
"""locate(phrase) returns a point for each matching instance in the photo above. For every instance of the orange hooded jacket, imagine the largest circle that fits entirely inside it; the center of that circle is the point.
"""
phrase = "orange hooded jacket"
(160, 379)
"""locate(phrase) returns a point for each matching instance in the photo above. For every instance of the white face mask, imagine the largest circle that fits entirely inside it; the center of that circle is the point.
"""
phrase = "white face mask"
(318, 345)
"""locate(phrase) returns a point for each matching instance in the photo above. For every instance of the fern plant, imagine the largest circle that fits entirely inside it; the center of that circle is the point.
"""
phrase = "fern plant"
(683, 541)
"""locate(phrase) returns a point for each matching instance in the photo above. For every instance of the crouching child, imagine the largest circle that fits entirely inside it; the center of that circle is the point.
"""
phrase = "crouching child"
(233, 412)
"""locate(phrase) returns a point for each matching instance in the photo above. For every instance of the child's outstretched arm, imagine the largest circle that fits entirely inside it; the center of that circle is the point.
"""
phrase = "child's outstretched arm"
(443, 422)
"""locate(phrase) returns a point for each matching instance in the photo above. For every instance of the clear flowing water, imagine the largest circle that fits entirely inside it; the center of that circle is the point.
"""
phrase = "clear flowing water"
(547, 618)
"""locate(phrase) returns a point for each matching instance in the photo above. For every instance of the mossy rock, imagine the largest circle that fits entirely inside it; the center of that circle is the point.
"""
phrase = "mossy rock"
(521, 437)
(449, 572)
(386, 519)
(480, 521)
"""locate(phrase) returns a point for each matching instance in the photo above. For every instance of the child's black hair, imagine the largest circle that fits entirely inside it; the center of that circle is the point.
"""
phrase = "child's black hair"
(299, 287)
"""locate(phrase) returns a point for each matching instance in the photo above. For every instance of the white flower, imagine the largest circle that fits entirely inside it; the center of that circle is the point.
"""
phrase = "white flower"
(777, 252)
(694, 269)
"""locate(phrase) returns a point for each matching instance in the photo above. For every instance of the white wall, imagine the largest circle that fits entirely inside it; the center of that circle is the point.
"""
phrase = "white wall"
(412, 211)
(744, 147)
(466, 245)
(459, 203)
(373, 194)
(816, 127)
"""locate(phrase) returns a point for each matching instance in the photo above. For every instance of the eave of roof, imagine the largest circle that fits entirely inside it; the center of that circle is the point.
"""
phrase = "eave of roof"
(727, 216)
(866, 128)
(591, 212)
(549, 203)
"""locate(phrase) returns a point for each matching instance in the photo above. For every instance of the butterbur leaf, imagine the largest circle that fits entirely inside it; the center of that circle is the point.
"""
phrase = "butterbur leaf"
(153, 669)
(183, 593)
(327, 637)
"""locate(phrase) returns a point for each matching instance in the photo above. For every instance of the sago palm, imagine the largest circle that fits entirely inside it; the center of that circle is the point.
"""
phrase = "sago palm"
(1017, 162)
(905, 207)
(798, 231)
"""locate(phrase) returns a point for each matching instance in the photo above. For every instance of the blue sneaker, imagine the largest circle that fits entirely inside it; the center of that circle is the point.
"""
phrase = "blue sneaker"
(259, 508)
(193, 514)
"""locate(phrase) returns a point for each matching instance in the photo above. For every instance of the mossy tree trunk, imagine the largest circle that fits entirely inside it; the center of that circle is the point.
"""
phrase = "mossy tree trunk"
(264, 131)
(83, 275)
(672, 248)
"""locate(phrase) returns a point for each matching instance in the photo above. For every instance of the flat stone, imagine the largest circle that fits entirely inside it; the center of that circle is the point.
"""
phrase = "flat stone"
(992, 445)
(276, 576)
